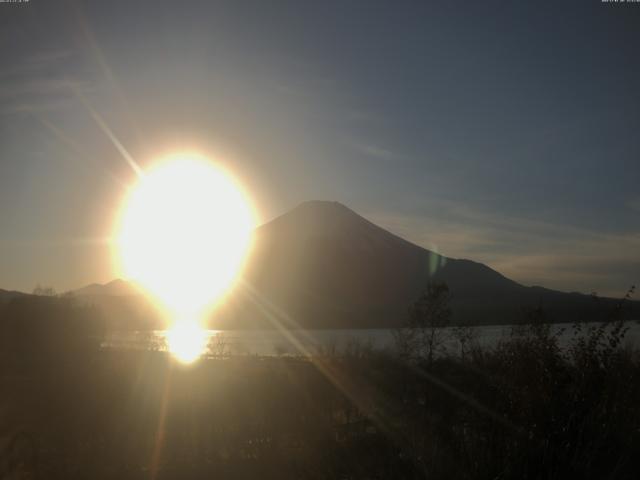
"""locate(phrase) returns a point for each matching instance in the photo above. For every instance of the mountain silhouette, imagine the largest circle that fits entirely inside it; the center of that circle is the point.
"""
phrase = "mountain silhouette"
(117, 287)
(326, 267)
(321, 265)
(8, 295)
(122, 304)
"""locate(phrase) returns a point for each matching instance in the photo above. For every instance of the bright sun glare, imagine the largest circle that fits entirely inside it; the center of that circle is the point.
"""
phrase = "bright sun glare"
(186, 341)
(183, 234)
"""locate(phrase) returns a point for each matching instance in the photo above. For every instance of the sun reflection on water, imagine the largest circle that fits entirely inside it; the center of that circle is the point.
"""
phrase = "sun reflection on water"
(187, 341)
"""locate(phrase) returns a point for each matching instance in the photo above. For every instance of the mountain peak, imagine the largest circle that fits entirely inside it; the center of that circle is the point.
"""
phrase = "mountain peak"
(322, 209)
(321, 218)
(114, 287)
(322, 205)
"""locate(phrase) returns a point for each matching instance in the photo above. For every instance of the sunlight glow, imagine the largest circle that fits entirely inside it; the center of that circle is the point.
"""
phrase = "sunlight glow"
(183, 235)
(187, 341)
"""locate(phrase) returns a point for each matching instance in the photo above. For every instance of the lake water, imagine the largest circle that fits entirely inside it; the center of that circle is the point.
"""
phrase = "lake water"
(309, 342)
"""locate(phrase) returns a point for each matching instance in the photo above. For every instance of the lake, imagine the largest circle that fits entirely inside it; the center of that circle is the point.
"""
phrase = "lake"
(309, 342)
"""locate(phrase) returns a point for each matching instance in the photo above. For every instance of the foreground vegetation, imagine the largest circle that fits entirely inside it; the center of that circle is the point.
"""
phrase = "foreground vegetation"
(523, 409)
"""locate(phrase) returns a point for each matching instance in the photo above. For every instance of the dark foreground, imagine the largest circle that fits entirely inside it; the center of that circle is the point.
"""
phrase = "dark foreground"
(524, 409)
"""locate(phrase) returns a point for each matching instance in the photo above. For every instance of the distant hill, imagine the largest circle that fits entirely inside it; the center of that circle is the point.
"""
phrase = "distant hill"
(115, 287)
(321, 265)
(122, 304)
(8, 295)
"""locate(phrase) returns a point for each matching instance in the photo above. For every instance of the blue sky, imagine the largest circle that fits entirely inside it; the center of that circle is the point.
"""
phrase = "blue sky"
(504, 132)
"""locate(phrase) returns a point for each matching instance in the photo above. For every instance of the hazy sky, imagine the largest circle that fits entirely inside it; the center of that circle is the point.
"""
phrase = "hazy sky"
(506, 132)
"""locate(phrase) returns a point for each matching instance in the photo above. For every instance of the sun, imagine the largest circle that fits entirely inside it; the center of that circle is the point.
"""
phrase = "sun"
(183, 234)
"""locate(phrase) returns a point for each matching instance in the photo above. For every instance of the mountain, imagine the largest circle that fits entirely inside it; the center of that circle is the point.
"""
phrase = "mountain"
(328, 267)
(115, 287)
(121, 303)
(322, 265)
(7, 295)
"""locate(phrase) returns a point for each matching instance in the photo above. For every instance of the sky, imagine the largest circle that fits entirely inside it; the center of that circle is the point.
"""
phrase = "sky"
(504, 132)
